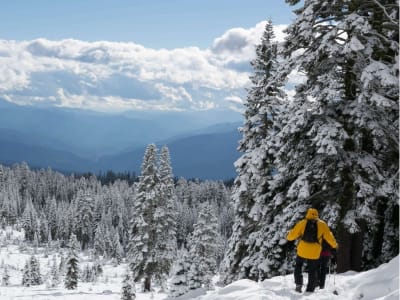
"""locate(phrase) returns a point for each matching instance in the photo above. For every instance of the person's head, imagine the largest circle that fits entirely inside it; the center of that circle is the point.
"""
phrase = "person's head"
(312, 214)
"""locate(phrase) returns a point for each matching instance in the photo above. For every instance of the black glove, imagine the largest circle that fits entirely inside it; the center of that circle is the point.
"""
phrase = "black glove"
(333, 257)
(290, 244)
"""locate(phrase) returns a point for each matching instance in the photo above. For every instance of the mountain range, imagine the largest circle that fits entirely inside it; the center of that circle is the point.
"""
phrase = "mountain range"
(202, 144)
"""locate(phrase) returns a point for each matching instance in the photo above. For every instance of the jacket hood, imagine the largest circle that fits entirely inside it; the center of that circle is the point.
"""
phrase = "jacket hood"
(312, 214)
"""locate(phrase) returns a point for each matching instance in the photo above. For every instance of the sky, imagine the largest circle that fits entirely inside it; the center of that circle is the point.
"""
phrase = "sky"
(116, 55)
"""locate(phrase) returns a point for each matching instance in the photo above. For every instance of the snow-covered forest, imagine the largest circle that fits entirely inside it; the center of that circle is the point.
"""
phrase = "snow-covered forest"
(330, 142)
(143, 223)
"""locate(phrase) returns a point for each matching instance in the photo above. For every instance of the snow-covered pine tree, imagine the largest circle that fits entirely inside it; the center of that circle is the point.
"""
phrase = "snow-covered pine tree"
(5, 280)
(165, 218)
(62, 265)
(27, 274)
(30, 220)
(71, 276)
(31, 273)
(178, 283)
(117, 250)
(99, 243)
(84, 215)
(143, 231)
(203, 252)
(52, 217)
(86, 274)
(36, 277)
(338, 145)
(256, 165)
(54, 273)
(372, 120)
(128, 291)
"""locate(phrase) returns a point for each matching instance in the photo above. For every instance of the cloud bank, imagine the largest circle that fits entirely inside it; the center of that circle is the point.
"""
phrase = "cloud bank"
(110, 76)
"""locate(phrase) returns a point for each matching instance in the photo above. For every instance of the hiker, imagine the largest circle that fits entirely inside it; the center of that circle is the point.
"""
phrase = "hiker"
(311, 232)
(327, 253)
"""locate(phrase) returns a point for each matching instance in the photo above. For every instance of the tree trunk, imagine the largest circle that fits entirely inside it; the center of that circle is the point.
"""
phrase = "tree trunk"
(349, 256)
(147, 284)
(343, 253)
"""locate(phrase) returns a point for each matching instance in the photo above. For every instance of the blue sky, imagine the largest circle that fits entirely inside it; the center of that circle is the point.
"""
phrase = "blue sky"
(117, 55)
(152, 23)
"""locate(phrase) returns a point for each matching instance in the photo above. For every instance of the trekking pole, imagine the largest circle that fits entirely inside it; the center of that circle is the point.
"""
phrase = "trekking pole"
(334, 282)
(329, 271)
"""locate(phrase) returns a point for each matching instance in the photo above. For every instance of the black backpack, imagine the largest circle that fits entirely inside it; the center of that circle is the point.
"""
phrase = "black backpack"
(310, 234)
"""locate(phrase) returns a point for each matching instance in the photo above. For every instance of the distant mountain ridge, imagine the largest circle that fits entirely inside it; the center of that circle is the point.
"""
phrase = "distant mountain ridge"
(204, 156)
(80, 141)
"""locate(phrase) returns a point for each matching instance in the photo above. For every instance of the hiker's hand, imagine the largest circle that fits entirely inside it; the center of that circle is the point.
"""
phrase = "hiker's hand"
(290, 244)
(333, 258)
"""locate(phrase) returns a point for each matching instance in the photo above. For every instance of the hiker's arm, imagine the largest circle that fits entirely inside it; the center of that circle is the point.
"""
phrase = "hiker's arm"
(329, 238)
(296, 232)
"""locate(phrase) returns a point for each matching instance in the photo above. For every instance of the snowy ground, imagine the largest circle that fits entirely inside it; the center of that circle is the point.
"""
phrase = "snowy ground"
(381, 283)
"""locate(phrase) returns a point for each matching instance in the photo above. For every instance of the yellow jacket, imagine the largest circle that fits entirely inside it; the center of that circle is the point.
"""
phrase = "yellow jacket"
(311, 250)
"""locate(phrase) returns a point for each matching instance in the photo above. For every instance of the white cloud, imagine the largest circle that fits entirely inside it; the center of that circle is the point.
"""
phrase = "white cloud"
(238, 44)
(119, 76)
(234, 99)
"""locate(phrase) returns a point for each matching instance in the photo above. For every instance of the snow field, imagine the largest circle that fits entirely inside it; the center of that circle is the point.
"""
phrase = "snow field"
(381, 283)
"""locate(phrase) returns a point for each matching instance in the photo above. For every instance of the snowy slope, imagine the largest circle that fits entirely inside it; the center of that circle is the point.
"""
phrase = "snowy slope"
(381, 283)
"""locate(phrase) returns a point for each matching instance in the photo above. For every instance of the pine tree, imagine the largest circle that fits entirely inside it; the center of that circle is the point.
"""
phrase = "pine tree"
(256, 166)
(204, 248)
(336, 146)
(178, 284)
(84, 215)
(71, 277)
(29, 220)
(62, 265)
(54, 273)
(31, 273)
(143, 234)
(52, 218)
(99, 244)
(5, 281)
(128, 288)
(36, 277)
(165, 218)
(27, 274)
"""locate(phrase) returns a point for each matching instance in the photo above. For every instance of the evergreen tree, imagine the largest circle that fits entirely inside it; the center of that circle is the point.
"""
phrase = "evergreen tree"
(62, 264)
(54, 273)
(143, 233)
(99, 243)
(5, 280)
(30, 220)
(204, 248)
(256, 166)
(336, 146)
(164, 218)
(71, 277)
(31, 273)
(178, 284)
(27, 274)
(128, 288)
(52, 218)
(84, 216)
(36, 277)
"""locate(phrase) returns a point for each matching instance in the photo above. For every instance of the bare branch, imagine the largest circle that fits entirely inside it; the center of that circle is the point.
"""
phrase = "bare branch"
(385, 12)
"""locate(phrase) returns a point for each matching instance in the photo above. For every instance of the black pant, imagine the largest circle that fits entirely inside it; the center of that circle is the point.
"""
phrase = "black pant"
(312, 272)
(322, 269)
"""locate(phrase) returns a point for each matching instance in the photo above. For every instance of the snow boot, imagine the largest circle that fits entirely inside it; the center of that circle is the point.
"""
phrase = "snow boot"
(298, 288)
